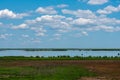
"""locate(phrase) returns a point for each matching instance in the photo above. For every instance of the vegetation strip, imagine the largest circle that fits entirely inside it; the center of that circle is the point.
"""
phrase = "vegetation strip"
(59, 58)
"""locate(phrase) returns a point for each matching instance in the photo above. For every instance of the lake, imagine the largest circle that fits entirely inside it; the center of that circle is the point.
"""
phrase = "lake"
(58, 53)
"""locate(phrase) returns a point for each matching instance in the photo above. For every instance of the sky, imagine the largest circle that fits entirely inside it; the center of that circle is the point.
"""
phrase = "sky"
(59, 23)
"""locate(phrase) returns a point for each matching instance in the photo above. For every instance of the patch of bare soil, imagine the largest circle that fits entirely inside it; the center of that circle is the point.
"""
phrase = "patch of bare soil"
(94, 78)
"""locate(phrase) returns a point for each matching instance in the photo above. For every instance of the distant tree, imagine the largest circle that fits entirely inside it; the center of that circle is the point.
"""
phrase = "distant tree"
(37, 56)
(82, 55)
(118, 54)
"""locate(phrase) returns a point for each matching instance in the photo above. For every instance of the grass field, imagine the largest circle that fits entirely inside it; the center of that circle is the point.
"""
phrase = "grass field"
(43, 73)
(36, 68)
(39, 71)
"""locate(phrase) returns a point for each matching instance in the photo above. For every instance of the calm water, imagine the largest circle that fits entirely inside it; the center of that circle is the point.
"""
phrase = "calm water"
(58, 53)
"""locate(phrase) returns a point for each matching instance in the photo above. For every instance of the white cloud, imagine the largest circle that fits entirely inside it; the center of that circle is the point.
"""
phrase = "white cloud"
(104, 28)
(52, 21)
(83, 21)
(82, 33)
(36, 40)
(109, 9)
(39, 30)
(63, 30)
(105, 24)
(80, 13)
(4, 36)
(83, 0)
(10, 14)
(97, 2)
(77, 22)
(49, 18)
(80, 23)
(21, 26)
(40, 34)
(25, 35)
(62, 5)
(56, 23)
(107, 21)
(56, 36)
(61, 24)
(1, 23)
(46, 10)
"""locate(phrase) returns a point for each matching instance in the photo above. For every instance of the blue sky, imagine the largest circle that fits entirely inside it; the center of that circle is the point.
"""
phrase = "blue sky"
(59, 23)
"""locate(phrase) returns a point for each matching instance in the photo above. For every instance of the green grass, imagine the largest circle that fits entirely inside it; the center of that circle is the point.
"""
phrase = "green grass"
(44, 73)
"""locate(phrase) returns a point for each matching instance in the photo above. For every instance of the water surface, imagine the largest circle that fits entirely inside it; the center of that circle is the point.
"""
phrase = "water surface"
(58, 53)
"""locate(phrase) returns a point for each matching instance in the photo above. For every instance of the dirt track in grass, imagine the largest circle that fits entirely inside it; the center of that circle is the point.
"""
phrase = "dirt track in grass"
(105, 69)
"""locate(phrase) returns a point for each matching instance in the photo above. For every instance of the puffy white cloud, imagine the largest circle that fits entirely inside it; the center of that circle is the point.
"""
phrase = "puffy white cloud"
(76, 22)
(109, 9)
(49, 18)
(97, 2)
(56, 36)
(82, 33)
(44, 24)
(80, 13)
(25, 35)
(105, 24)
(107, 21)
(104, 28)
(36, 40)
(4, 36)
(80, 23)
(62, 5)
(83, 21)
(39, 30)
(1, 23)
(21, 26)
(83, 0)
(40, 34)
(52, 21)
(10, 14)
(46, 10)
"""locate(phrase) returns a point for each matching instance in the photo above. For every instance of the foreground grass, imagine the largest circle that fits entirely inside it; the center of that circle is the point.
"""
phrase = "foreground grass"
(44, 73)
(46, 68)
